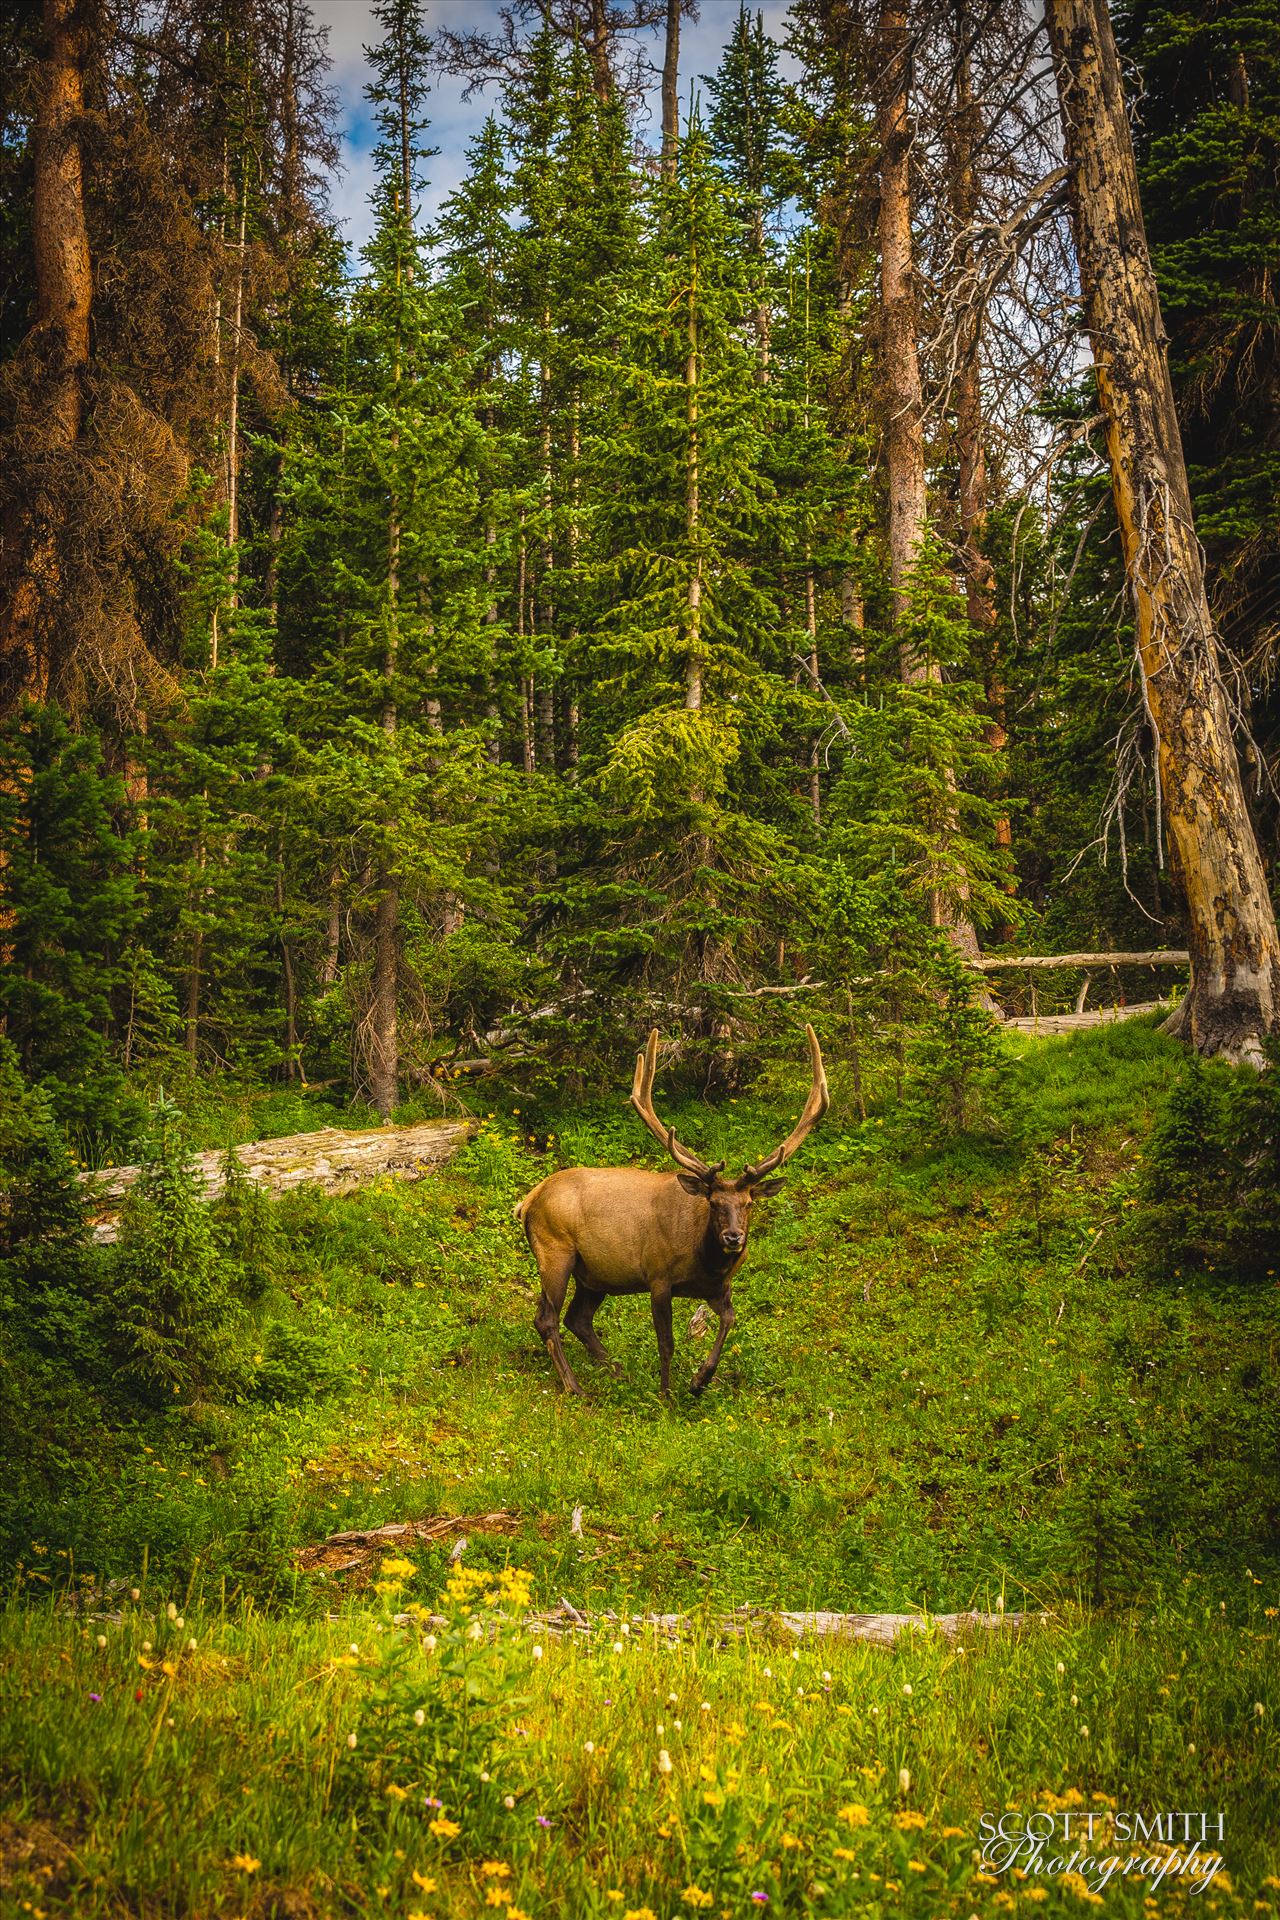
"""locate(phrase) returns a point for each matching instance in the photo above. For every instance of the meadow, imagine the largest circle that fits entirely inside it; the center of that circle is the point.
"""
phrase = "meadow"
(958, 1379)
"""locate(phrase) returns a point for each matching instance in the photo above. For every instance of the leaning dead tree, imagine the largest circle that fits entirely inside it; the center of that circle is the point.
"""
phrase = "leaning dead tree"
(1234, 999)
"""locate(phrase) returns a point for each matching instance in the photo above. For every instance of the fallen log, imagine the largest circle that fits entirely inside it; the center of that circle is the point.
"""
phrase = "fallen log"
(877, 1629)
(333, 1158)
(1046, 1025)
(1045, 962)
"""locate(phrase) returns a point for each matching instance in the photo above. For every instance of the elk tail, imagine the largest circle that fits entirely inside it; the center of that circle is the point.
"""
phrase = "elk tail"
(521, 1207)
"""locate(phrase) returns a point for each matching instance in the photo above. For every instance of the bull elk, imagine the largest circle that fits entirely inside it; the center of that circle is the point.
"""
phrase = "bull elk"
(628, 1230)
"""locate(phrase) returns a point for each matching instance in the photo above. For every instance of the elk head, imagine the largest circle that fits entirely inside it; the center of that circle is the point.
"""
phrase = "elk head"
(730, 1200)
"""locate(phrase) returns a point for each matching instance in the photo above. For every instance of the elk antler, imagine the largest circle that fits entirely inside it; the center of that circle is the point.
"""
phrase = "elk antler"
(642, 1101)
(814, 1108)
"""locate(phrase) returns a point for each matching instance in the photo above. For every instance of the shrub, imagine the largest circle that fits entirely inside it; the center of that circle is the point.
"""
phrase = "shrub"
(48, 1269)
(1211, 1176)
(245, 1230)
(173, 1314)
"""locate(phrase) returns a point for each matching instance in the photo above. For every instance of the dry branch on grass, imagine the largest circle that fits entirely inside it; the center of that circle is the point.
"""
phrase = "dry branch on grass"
(334, 1159)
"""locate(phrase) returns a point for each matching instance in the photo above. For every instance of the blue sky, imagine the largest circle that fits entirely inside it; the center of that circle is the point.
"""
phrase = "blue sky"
(454, 120)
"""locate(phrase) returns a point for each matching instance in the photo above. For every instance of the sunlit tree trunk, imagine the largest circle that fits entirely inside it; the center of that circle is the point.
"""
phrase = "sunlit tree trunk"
(51, 409)
(899, 328)
(971, 452)
(1234, 998)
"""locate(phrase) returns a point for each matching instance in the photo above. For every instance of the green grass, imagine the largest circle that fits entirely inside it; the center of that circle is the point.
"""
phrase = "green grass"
(140, 1785)
(950, 1383)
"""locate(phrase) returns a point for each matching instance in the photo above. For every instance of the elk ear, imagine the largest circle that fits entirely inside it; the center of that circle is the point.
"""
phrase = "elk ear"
(696, 1183)
(767, 1187)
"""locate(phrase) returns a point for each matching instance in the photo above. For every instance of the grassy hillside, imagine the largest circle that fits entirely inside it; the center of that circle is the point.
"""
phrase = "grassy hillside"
(953, 1382)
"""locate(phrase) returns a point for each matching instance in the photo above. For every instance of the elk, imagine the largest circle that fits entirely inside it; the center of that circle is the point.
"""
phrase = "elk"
(671, 1235)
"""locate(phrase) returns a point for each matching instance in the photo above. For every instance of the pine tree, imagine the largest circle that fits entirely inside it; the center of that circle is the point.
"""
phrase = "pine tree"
(69, 910)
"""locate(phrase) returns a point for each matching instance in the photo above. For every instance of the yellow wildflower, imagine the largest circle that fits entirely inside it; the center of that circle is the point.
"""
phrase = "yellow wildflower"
(639, 1913)
(791, 1840)
(713, 1798)
(419, 1913)
(918, 1866)
(424, 1881)
(1034, 1893)
(496, 1897)
(854, 1815)
(1077, 1884)
(516, 1913)
(953, 1833)
(245, 1862)
(908, 1819)
(396, 1793)
(445, 1829)
(494, 1870)
(396, 1569)
(844, 1853)
(695, 1897)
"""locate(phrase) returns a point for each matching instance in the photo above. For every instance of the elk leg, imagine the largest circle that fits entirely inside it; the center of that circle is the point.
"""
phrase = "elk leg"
(582, 1311)
(706, 1372)
(661, 1304)
(555, 1271)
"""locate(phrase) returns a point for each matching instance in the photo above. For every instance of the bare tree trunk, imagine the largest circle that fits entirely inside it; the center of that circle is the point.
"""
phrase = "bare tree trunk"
(671, 92)
(899, 324)
(332, 933)
(815, 757)
(853, 616)
(384, 1061)
(598, 47)
(693, 509)
(980, 577)
(900, 361)
(290, 986)
(57, 352)
(1234, 999)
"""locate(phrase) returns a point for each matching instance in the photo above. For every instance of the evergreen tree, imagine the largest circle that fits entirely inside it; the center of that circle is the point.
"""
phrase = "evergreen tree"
(69, 911)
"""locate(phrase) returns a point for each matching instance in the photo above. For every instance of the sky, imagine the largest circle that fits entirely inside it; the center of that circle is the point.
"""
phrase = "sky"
(454, 121)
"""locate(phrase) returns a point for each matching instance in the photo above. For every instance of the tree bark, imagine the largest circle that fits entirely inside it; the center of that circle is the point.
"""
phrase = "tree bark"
(57, 353)
(971, 451)
(899, 322)
(598, 47)
(671, 92)
(693, 505)
(1234, 999)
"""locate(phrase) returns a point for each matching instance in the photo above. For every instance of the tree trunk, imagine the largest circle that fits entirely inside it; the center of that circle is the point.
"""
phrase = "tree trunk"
(671, 92)
(899, 330)
(57, 352)
(971, 452)
(693, 507)
(598, 47)
(1234, 999)
(900, 361)
(384, 1060)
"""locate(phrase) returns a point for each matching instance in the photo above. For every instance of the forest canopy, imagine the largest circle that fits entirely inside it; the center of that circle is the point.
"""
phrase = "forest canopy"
(698, 563)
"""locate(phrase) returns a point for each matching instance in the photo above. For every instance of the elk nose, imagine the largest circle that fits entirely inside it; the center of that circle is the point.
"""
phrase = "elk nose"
(734, 1241)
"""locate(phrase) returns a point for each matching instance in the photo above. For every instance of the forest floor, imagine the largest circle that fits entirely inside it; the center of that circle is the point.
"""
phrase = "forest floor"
(950, 1386)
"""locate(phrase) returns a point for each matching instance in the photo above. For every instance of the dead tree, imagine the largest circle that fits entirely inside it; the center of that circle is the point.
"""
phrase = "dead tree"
(1234, 999)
